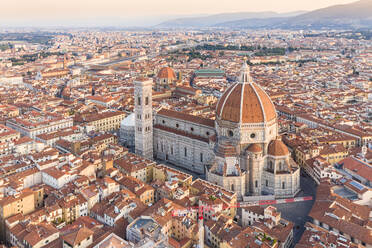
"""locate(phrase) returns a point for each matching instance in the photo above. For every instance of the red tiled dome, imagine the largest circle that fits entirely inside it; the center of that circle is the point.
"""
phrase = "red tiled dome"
(277, 148)
(167, 73)
(245, 102)
(254, 148)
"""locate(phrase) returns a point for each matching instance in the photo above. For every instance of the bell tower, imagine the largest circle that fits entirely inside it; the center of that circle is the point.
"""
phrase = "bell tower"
(143, 112)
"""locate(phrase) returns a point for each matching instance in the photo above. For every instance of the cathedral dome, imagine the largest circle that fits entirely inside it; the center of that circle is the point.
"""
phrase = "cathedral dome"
(277, 148)
(167, 73)
(245, 102)
(255, 148)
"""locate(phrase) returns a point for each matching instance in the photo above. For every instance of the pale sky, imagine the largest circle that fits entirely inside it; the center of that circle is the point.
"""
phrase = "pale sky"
(29, 12)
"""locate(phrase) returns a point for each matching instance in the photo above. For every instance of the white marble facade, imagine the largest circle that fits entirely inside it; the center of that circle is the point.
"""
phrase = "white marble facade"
(143, 118)
(182, 142)
(242, 156)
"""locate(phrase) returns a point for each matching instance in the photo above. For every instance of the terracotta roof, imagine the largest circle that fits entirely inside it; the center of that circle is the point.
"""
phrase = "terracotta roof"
(187, 117)
(277, 148)
(77, 236)
(254, 148)
(341, 214)
(358, 167)
(167, 73)
(245, 102)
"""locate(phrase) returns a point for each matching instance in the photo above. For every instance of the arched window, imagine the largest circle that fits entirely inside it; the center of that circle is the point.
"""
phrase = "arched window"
(232, 187)
(270, 165)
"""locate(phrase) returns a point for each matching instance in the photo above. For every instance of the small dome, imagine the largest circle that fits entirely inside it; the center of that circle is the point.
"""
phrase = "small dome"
(167, 73)
(245, 102)
(254, 148)
(277, 148)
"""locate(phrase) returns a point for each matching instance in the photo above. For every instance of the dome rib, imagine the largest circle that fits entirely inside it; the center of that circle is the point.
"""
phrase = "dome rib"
(232, 106)
(267, 104)
(241, 104)
(226, 97)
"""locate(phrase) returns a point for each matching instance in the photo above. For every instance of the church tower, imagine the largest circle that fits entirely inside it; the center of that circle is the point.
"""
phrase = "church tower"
(64, 61)
(143, 112)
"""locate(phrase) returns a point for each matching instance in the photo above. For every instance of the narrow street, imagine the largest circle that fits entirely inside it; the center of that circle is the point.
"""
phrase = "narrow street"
(297, 212)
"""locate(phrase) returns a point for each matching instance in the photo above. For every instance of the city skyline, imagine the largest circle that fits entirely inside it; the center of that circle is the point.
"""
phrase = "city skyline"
(185, 124)
(138, 13)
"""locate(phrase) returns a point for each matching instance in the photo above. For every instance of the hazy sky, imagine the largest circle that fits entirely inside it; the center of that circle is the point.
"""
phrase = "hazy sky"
(49, 12)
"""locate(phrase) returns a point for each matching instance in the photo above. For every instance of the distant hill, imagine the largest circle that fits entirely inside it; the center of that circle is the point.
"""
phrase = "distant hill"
(212, 20)
(356, 15)
(353, 15)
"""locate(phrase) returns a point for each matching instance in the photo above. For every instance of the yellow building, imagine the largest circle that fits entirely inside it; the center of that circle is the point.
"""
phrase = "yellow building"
(9, 110)
(186, 230)
(106, 121)
(143, 191)
(163, 173)
(303, 153)
(38, 192)
(334, 153)
(220, 232)
(146, 194)
(73, 206)
(134, 166)
(22, 203)
(344, 140)
(7, 134)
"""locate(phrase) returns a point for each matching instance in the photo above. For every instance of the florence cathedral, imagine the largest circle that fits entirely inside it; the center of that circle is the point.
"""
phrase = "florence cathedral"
(240, 150)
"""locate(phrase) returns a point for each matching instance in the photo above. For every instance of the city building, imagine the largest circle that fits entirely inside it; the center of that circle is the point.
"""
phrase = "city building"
(146, 228)
(34, 123)
(104, 121)
(341, 216)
